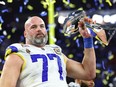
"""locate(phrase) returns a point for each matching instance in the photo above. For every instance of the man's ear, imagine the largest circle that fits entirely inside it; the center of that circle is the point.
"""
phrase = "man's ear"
(24, 34)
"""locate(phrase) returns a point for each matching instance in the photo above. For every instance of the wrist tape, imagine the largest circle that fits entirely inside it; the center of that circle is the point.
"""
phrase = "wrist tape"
(88, 42)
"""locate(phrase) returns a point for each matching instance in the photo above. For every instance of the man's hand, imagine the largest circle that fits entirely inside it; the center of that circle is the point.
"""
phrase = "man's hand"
(83, 29)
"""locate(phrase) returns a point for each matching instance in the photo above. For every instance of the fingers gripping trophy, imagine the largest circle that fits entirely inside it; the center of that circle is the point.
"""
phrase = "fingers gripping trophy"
(70, 26)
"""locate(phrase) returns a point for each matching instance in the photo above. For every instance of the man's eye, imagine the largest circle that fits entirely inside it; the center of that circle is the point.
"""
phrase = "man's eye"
(42, 26)
(33, 27)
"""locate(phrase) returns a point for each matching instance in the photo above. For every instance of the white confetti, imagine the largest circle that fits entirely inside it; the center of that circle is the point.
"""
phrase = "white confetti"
(2, 2)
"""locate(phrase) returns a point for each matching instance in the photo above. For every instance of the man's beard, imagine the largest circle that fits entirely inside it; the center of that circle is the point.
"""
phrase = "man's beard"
(41, 41)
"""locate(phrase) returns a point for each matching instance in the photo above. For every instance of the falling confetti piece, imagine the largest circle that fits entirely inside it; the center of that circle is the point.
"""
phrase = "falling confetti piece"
(29, 7)
(2, 3)
(9, 1)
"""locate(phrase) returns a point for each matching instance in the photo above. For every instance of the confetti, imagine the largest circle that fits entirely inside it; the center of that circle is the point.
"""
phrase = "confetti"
(29, 7)
(15, 12)
(43, 13)
(2, 3)
(9, 1)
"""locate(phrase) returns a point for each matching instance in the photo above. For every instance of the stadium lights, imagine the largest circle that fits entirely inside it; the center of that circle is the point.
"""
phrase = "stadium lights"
(99, 18)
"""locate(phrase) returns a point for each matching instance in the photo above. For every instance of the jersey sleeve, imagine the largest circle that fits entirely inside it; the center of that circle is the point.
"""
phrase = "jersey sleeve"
(13, 48)
(17, 49)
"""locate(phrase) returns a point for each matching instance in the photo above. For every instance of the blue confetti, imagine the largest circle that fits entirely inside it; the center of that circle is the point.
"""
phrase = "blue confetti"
(1, 41)
(5, 10)
(1, 20)
(21, 38)
(59, 41)
(47, 29)
(96, 46)
(17, 19)
(43, 13)
(77, 42)
(68, 1)
(3, 61)
(98, 65)
(58, 9)
(96, 4)
(102, 5)
(1, 38)
(103, 65)
(20, 9)
(25, 2)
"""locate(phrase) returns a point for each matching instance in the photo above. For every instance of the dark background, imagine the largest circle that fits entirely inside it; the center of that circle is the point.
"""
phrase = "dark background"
(14, 14)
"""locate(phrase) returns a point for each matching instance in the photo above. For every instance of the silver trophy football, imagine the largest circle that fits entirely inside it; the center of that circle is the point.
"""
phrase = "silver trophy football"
(70, 26)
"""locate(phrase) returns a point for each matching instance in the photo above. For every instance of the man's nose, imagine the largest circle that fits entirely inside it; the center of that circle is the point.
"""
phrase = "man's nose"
(38, 28)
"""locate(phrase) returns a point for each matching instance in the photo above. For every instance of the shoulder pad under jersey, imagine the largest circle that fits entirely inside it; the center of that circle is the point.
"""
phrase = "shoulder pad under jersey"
(56, 48)
(16, 47)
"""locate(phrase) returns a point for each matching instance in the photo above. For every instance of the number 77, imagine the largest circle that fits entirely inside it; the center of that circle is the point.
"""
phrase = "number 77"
(34, 58)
